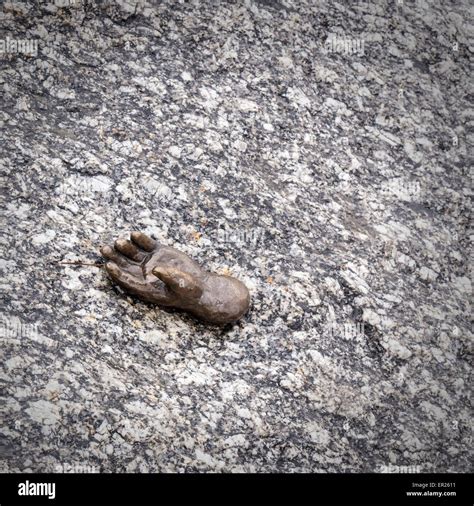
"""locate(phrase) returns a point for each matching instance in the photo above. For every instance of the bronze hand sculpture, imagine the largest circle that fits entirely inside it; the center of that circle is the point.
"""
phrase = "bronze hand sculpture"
(165, 276)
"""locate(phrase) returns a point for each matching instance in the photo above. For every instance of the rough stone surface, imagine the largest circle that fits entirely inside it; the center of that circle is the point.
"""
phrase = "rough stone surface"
(318, 152)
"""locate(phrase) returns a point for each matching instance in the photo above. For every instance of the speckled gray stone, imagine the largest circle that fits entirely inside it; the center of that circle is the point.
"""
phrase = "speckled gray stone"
(316, 151)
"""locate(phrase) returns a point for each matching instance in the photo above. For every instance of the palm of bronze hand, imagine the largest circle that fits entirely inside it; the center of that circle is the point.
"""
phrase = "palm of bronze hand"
(165, 276)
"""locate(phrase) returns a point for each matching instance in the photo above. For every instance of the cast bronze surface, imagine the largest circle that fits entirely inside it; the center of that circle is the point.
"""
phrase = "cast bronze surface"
(165, 276)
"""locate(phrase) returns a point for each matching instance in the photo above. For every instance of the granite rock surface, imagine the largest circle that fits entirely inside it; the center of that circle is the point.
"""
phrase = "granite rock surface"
(316, 150)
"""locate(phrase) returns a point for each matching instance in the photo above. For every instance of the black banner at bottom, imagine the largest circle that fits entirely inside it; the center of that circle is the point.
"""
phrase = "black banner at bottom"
(235, 489)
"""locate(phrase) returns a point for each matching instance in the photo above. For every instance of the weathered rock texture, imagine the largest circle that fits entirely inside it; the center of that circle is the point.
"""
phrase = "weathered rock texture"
(314, 150)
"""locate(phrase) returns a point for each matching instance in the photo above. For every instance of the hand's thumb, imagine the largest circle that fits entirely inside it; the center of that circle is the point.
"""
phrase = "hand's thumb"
(178, 281)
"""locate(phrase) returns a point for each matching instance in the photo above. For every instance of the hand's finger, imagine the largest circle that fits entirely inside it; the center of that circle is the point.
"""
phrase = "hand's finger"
(129, 250)
(143, 241)
(111, 254)
(122, 278)
(114, 270)
(178, 281)
(134, 285)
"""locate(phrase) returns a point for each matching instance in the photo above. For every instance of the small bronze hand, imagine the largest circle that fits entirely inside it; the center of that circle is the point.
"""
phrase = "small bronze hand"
(165, 276)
